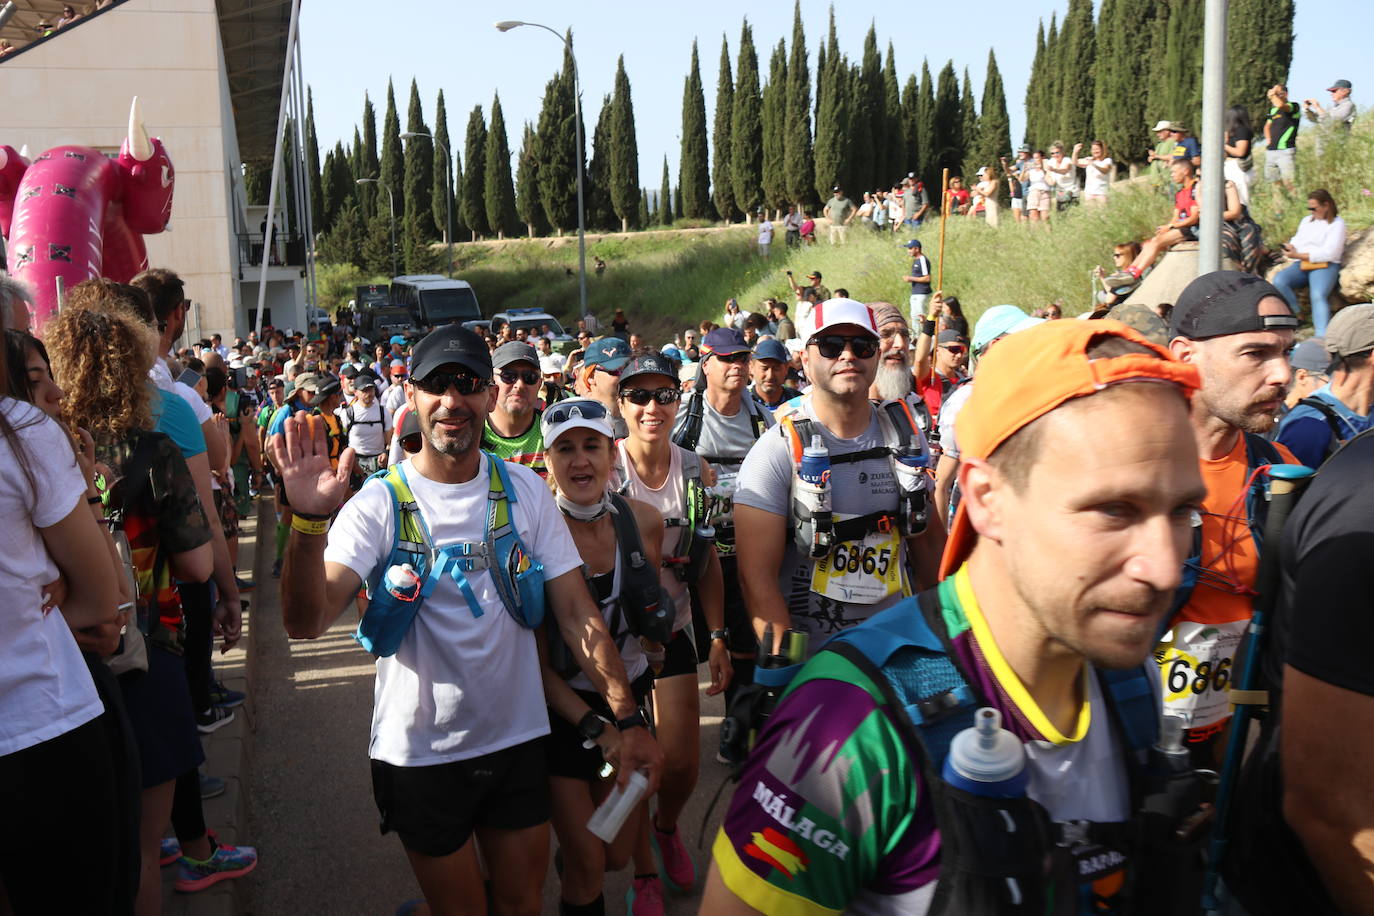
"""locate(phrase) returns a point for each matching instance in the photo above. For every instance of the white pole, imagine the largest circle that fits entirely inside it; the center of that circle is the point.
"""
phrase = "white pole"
(276, 162)
(308, 221)
(1213, 200)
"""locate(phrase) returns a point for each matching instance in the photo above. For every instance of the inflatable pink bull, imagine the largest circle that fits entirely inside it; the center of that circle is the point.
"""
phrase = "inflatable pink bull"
(76, 214)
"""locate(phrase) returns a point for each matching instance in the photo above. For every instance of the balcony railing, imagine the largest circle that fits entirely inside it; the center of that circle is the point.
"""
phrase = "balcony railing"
(30, 28)
(288, 250)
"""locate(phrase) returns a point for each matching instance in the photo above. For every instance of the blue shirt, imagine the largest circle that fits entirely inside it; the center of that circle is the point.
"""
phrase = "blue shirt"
(278, 422)
(174, 418)
(1307, 433)
(1187, 148)
(920, 267)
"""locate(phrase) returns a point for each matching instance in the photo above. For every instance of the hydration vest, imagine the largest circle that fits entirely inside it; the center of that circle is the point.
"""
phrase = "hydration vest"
(1340, 430)
(395, 595)
(690, 434)
(688, 557)
(1005, 855)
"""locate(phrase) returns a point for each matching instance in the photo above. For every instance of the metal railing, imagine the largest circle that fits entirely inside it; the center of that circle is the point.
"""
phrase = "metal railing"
(288, 250)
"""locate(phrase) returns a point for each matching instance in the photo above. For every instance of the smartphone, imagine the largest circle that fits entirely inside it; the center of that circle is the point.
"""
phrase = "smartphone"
(190, 378)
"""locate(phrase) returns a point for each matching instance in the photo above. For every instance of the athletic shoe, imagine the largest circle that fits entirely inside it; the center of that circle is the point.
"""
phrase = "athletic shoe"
(169, 851)
(276, 569)
(243, 584)
(213, 719)
(678, 871)
(212, 787)
(1121, 278)
(645, 897)
(224, 863)
(225, 698)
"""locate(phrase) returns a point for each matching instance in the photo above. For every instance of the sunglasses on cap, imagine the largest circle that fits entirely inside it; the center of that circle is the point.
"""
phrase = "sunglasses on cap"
(832, 345)
(528, 376)
(587, 410)
(642, 396)
(437, 383)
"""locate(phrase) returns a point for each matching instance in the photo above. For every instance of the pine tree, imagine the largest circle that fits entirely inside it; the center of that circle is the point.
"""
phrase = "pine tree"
(746, 128)
(994, 126)
(799, 166)
(897, 156)
(926, 135)
(600, 213)
(419, 185)
(694, 168)
(560, 148)
(442, 172)
(392, 164)
(722, 189)
(475, 176)
(775, 128)
(1119, 97)
(498, 188)
(949, 152)
(1259, 51)
(665, 197)
(1035, 116)
(968, 131)
(1078, 60)
(833, 125)
(624, 175)
(312, 162)
(527, 204)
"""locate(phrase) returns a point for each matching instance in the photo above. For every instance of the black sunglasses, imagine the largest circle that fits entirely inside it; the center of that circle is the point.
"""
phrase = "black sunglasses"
(528, 376)
(437, 383)
(832, 345)
(956, 349)
(642, 396)
(742, 356)
(1311, 209)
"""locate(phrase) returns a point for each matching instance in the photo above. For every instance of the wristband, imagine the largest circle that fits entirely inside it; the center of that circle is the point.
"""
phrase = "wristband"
(94, 500)
(309, 517)
(928, 328)
(633, 720)
(308, 526)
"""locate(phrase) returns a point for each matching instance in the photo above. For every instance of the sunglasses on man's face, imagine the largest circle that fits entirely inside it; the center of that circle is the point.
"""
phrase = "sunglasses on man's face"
(642, 396)
(832, 345)
(437, 383)
(740, 357)
(528, 376)
(956, 350)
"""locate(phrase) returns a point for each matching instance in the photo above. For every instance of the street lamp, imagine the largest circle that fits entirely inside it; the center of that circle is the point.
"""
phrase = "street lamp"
(392, 198)
(505, 26)
(448, 189)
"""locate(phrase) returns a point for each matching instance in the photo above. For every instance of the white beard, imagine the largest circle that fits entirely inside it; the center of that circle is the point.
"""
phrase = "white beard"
(893, 382)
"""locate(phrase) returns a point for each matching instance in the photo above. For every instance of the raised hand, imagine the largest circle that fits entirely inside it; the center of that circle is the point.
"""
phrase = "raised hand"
(301, 454)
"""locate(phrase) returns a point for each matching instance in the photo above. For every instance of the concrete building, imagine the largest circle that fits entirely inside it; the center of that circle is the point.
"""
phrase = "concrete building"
(208, 76)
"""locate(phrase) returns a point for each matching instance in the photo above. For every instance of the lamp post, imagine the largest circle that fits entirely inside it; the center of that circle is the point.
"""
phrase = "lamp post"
(448, 191)
(392, 198)
(505, 26)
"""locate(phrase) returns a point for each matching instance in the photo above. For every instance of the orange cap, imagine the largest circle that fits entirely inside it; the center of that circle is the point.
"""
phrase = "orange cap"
(1029, 374)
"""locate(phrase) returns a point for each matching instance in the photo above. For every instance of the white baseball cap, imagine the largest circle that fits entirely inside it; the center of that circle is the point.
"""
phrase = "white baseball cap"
(833, 312)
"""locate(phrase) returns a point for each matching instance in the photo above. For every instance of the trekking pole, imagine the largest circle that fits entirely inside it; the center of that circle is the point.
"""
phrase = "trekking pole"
(1286, 483)
(944, 213)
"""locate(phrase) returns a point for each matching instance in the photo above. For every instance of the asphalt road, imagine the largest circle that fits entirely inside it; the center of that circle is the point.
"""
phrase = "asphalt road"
(310, 805)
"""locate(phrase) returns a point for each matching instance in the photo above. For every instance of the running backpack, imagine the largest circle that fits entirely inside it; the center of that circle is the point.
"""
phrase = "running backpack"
(687, 559)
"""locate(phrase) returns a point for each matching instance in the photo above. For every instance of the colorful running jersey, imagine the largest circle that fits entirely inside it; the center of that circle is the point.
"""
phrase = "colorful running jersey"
(832, 812)
(526, 449)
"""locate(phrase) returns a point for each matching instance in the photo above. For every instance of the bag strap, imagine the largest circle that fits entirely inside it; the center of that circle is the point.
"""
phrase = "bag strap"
(1333, 420)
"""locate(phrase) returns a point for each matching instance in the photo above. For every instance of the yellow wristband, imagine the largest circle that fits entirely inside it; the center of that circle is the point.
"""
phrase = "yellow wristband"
(305, 526)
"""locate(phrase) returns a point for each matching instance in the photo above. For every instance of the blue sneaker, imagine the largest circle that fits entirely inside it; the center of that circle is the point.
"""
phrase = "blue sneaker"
(225, 698)
(224, 863)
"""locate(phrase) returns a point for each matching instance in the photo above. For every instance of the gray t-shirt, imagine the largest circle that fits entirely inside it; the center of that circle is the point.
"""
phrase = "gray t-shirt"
(856, 488)
(837, 208)
(730, 438)
(949, 412)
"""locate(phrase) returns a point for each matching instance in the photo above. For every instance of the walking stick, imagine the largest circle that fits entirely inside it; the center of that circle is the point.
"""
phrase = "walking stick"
(1286, 483)
(944, 213)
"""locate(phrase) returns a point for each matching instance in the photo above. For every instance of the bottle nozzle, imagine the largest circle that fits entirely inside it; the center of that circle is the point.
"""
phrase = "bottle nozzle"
(988, 721)
(817, 443)
(1171, 734)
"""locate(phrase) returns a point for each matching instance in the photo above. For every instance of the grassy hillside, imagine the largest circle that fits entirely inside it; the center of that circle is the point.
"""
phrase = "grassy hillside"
(666, 281)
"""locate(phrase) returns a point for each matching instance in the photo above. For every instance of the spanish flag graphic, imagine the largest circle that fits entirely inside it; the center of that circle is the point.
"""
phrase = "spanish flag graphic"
(778, 851)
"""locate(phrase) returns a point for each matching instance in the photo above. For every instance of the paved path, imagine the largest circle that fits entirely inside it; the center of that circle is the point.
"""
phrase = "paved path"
(310, 805)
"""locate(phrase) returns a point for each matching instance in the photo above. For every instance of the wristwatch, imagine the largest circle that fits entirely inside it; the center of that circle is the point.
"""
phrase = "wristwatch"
(591, 726)
(721, 634)
(633, 720)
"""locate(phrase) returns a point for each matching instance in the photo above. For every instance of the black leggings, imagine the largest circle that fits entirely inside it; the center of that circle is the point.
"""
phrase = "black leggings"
(198, 644)
(60, 796)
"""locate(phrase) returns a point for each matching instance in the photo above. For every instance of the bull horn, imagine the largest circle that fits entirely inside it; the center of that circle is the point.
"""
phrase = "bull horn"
(4, 158)
(140, 147)
(24, 151)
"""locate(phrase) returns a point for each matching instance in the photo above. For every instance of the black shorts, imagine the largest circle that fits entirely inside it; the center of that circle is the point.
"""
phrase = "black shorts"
(434, 809)
(159, 707)
(1189, 233)
(563, 747)
(741, 640)
(679, 657)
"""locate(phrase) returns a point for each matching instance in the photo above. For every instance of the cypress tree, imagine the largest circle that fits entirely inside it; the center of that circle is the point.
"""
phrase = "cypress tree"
(870, 164)
(369, 164)
(1183, 62)
(392, 164)
(927, 136)
(1078, 59)
(559, 145)
(527, 205)
(1259, 51)
(1051, 106)
(329, 200)
(994, 126)
(475, 177)
(1119, 97)
(600, 213)
(442, 172)
(822, 71)
(419, 187)
(799, 166)
(677, 201)
(722, 188)
(948, 124)
(1159, 96)
(1035, 116)
(642, 216)
(312, 162)
(694, 169)
(968, 131)
(624, 175)
(832, 125)
(897, 164)
(911, 104)
(746, 128)
(344, 242)
(774, 128)
(665, 197)
(499, 190)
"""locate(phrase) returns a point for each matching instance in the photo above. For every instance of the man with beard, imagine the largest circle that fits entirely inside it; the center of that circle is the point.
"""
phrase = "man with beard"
(1054, 579)
(1237, 330)
(448, 764)
(894, 381)
(513, 431)
(721, 424)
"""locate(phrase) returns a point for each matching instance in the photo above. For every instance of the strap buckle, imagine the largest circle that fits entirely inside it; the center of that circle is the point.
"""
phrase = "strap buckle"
(884, 524)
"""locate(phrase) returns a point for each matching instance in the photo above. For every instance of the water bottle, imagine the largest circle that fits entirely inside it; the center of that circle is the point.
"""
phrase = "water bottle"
(987, 759)
(607, 820)
(910, 467)
(813, 491)
(402, 582)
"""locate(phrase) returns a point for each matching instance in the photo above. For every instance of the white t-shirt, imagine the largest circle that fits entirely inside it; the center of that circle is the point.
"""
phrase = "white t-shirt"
(1095, 182)
(394, 397)
(45, 687)
(766, 232)
(162, 377)
(367, 428)
(949, 412)
(460, 686)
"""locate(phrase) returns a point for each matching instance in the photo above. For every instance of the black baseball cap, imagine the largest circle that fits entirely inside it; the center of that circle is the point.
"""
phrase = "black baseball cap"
(452, 344)
(326, 387)
(1226, 302)
(650, 363)
(349, 371)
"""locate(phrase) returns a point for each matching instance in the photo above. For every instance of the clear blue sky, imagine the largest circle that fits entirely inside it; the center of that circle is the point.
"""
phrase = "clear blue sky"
(350, 47)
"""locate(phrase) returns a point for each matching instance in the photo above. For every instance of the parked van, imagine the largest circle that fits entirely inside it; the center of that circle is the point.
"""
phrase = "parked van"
(434, 300)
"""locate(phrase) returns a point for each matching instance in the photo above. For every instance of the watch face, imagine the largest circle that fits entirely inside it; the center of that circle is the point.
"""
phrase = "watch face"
(591, 726)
